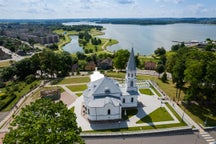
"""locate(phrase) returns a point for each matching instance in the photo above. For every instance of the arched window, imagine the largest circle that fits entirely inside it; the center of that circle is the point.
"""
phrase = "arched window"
(131, 75)
(123, 100)
(108, 111)
(132, 99)
(131, 84)
(128, 75)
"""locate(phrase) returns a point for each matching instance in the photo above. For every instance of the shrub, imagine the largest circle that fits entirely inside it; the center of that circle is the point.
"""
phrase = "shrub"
(30, 78)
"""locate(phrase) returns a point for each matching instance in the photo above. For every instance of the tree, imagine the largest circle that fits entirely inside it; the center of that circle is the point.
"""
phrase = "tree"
(44, 121)
(121, 58)
(160, 69)
(164, 77)
(160, 51)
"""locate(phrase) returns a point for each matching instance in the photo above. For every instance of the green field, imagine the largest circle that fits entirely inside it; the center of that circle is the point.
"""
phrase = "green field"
(5, 64)
(158, 115)
(77, 88)
(146, 91)
(200, 114)
(13, 92)
(78, 94)
(71, 80)
(129, 113)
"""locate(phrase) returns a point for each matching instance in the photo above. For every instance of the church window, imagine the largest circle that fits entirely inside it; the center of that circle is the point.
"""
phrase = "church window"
(108, 111)
(131, 84)
(132, 99)
(123, 100)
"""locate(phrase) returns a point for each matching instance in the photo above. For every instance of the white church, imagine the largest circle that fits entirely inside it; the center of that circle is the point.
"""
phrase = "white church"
(105, 98)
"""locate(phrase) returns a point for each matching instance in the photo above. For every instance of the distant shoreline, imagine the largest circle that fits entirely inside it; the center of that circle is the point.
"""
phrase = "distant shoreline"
(137, 21)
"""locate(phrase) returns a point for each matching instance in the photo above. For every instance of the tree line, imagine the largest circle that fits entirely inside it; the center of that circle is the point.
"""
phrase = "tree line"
(193, 70)
(47, 63)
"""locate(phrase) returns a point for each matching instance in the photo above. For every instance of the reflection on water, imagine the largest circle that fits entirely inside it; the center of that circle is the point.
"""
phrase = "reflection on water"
(146, 39)
(73, 46)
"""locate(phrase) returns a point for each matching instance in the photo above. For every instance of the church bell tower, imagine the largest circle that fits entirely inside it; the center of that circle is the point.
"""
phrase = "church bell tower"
(130, 78)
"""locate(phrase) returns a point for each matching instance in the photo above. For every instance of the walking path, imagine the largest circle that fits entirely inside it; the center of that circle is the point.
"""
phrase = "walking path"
(186, 117)
(15, 56)
(148, 105)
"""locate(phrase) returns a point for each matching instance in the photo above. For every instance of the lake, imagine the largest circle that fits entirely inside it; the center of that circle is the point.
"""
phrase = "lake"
(73, 46)
(146, 38)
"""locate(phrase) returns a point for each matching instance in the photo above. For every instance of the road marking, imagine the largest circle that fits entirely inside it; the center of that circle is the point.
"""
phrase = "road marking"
(205, 135)
(210, 140)
(208, 137)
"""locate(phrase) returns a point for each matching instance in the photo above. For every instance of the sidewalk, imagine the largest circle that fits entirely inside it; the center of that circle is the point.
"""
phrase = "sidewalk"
(150, 103)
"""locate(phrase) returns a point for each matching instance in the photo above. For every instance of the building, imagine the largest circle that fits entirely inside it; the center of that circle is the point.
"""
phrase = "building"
(105, 98)
(150, 65)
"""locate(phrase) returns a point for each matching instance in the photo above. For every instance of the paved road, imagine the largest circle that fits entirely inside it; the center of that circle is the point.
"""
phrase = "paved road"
(213, 133)
(171, 139)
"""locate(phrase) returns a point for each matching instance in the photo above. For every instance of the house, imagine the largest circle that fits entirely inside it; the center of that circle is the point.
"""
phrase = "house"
(105, 98)
(90, 66)
(150, 65)
(105, 63)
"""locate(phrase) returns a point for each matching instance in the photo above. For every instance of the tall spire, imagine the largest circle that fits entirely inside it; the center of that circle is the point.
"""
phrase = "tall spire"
(131, 66)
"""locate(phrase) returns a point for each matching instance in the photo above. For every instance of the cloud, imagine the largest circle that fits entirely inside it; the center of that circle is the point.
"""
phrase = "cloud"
(197, 9)
(172, 1)
(126, 1)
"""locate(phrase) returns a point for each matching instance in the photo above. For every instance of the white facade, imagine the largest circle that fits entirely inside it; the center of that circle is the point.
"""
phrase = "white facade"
(105, 98)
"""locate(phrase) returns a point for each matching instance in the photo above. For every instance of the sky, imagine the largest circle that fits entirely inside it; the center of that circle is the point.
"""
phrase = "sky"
(51, 9)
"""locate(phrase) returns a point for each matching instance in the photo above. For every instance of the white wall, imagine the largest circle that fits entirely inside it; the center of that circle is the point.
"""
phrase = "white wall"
(128, 102)
(101, 113)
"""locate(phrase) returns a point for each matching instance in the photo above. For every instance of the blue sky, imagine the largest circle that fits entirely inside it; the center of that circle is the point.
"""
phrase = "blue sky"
(31, 9)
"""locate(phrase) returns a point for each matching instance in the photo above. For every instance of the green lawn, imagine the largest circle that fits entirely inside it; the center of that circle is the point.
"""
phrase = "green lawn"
(72, 109)
(129, 113)
(200, 114)
(5, 64)
(168, 88)
(78, 94)
(77, 88)
(176, 115)
(51, 88)
(146, 91)
(18, 89)
(73, 80)
(115, 74)
(155, 90)
(158, 115)
(1, 94)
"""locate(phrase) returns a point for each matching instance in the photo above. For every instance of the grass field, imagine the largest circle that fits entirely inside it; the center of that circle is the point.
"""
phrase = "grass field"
(158, 115)
(168, 88)
(78, 94)
(155, 91)
(51, 88)
(5, 64)
(19, 89)
(200, 114)
(129, 113)
(146, 91)
(72, 80)
(77, 88)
